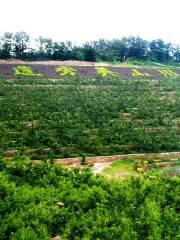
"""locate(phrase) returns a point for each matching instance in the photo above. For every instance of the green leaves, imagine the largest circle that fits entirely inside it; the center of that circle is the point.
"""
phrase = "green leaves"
(93, 207)
(168, 73)
(136, 73)
(104, 72)
(25, 71)
(66, 71)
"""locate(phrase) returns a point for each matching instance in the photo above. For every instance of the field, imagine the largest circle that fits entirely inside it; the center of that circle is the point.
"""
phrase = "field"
(89, 118)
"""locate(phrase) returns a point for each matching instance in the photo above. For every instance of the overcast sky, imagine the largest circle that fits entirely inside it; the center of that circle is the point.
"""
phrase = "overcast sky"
(85, 20)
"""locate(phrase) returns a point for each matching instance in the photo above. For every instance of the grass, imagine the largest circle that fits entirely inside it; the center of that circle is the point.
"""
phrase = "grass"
(146, 64)
(125, 167)
(164, 169)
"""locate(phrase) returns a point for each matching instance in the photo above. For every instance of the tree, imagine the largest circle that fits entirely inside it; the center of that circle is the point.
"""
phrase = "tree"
(119, 49)
(62, 50)
(45, 48)
(78, 53)
(6, 45)
(177, 54)
(21, 40)
(89, 53)
(113, 50)
(101, 47)
(160, 51)
(136, 47)
(18, 46)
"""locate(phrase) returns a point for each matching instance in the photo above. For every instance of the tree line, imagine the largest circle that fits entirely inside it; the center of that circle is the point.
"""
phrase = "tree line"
(19, 45)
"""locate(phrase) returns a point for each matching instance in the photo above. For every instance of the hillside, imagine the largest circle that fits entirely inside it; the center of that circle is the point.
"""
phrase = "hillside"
(116, 130)
(88, 69)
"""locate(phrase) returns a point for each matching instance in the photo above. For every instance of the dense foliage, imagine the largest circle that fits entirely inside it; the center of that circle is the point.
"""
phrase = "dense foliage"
(44, 200)
(19, 45)
(45, 118)
(74, 116)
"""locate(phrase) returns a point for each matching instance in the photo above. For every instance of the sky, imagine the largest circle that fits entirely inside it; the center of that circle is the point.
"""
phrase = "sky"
(86, 20)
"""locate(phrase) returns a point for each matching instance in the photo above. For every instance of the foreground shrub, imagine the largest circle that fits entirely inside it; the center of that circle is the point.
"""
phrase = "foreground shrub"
(39, 201)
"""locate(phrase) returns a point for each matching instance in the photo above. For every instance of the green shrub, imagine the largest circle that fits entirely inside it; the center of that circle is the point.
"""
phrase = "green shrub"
(168, 73)
(136, 73)
(25, 71)
(89, 206)
(66, 71)
(104, 72)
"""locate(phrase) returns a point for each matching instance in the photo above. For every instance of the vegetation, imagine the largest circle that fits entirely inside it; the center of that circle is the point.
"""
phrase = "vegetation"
(167, 73)
(25, 71)
(100, 116)
(136, 166)
(66, 71)
(104, 72)
(40, 201)
(136, 73)
(83, 159)
(47, 119)
(19, 45)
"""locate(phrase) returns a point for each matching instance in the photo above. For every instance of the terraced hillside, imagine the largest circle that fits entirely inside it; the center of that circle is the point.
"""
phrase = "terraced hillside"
(45, 118)
(50, 120)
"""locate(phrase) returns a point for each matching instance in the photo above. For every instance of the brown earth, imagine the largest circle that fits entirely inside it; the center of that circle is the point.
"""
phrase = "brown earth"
(104, 159)
(48, 68)
(67, 63)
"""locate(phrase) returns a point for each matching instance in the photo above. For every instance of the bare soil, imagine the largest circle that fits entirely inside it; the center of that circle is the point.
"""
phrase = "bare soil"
(108, 159)
(68, 62)
(48, 68)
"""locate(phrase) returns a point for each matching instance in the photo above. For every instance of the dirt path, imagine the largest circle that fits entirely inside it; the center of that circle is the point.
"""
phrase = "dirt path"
(106, 159)
(68, 62)
(99, 167)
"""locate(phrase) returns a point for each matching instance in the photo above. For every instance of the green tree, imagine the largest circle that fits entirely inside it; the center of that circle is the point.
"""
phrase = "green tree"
(160, 51)
(6, 45)
(45, 48)
(21, 41)
(136, 47)
(89, 53)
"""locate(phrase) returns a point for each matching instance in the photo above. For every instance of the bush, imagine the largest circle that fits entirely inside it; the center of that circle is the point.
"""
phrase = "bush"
(91, 207)
(66, 71)
(25, 71)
